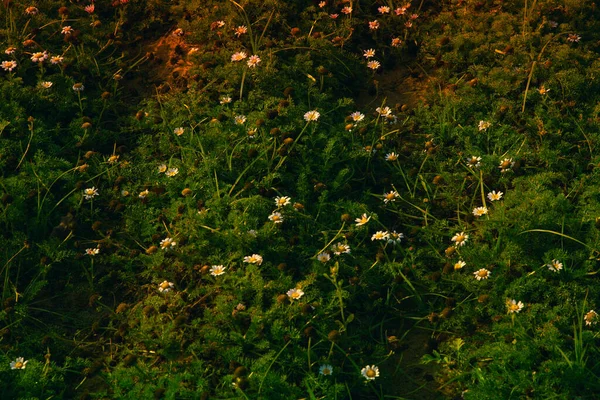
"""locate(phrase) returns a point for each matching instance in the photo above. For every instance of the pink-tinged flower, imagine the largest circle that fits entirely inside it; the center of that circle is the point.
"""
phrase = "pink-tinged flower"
(239, 56)
(573, 38)
(414, 16)
(178, 32)
(9, 65)
(322, 4)
(334, 16)
(56, 60)
(369, 53)
(89, 8)
(374, 65)
(373, 25)
(216, 25)
(347, 10)
(92, 252)
(39, 56)
(10, 50)
(31, 10)
(295, 294)
(311, 116)
(384, 112)
(384, 10)
(66, 30)
(400, 11)
(396, 42)
(408, 24)
(240, 30)
(253, 61)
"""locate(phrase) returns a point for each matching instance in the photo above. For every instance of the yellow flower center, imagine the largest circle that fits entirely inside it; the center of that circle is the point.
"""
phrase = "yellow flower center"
(513, 307)
(164, 285)
(371, 373)
(482, 273)
(18, 365)
(326, 371)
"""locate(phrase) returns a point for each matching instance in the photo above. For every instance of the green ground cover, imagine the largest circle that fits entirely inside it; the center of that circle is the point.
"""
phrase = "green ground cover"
(299, 199)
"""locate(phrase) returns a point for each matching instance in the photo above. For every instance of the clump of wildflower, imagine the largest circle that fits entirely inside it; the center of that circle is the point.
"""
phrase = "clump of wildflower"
(484, 125)
(384, 10)
(217, 270)
(113, 159)
(295, 294)
(395, 238)
(253, 259)
(225, 100)
(591, 317)
(482, 274)
(474, 162)
(347, 10)
(495, 196)
(253, 61)
(460, 239)
(171, 172)
(276, 217)
(363, 219)
(162, 168)
(144, 193)
(239, 119)
(66, 30)
(167, 242)
(384, 111)
(46, 84)
(391, 156)
(166, 286)
(380, 235)
(543, 91)
(390, 196)
(396, 42)
(370, 372)
(340, 248)
(19, 363)
(357, 116)
(90, 193)
(460, 264)
(92, 252)
(322, 4)
(311, 116)
(240, 30)
(323, 257)
(39, 56)
(89, 8)
(10, 50)
(326, 370)
(369, 53)
(78, 87)
(56, 60)
(374, 65)
(506, 165)
(573, 38)
(179, 131)
(555, 266)
(31, 10)
(373, 25)
(239, 56)
(281, 201)
(479, 211)
(514, 306)
(9, 65)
